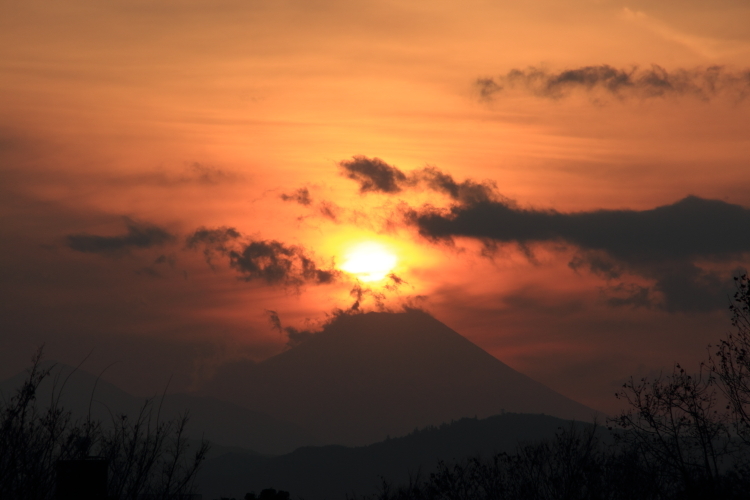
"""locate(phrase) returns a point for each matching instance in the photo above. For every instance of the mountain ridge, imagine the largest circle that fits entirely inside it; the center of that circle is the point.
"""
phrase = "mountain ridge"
(334, 471)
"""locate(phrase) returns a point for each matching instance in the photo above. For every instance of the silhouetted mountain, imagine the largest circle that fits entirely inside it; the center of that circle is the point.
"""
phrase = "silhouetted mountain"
(316, 473)
(218, 421)
(371, 375)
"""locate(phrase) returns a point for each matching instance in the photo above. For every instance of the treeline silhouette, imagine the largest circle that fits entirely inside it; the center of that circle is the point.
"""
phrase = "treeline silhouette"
(682, 436)
(147, 457)
(330, 472)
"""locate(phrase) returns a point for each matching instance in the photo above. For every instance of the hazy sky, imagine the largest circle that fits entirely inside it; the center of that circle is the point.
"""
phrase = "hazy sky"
(564, 183)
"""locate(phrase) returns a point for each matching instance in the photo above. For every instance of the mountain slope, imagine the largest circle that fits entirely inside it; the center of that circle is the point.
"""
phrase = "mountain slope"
(368, 376)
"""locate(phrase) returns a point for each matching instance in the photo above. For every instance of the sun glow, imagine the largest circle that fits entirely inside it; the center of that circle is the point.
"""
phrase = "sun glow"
(369, 261)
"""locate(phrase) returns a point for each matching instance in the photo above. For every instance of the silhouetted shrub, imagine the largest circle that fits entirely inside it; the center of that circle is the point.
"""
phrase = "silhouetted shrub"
(147, 457)
(731, 361)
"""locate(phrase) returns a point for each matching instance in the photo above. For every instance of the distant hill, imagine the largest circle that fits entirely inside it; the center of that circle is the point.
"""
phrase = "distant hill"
(370, 375)
(220, 422)
(331, 472)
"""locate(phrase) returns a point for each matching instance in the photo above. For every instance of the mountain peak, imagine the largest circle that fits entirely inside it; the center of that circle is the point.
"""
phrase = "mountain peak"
(365, 376)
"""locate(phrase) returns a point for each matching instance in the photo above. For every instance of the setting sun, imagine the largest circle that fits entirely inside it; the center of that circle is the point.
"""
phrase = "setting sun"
(369, 261)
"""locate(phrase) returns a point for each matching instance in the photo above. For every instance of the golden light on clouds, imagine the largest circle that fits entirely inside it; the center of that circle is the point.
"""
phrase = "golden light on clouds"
(369, 261)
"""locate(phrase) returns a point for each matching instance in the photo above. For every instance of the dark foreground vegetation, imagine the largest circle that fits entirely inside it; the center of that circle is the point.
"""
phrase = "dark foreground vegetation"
(147, 457)
(682, 436)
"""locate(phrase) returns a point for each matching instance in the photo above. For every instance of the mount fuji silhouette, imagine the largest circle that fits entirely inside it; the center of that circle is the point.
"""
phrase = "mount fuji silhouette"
(365, 377)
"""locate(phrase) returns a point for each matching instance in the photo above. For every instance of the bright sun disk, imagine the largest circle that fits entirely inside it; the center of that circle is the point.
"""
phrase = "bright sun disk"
(369, 261)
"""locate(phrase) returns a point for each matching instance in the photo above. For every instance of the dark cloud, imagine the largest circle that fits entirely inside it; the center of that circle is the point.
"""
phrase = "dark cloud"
(373, 174)
(213, 241)
(702, 83)
(679, 286)
(278, 264)
(218, 237)
(148, 271)
(325, 209)
(487, 87)
(467, 191)
(394, 282)
(329, 210)
(193, 173)
(273, 318)
(139, 235)
(692, 227)
(686, 287)
(206, 174)
(628, 295)
(171, 260)
(296, 336)
(360, 293)
(264, 260)
(662, 244)
(597, 262)
(301, 196)
(152, 271)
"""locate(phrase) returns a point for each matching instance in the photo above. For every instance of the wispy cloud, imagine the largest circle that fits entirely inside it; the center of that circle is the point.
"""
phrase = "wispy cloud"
(702, 45)
(301, 196)
(193, 173)
(635, 82)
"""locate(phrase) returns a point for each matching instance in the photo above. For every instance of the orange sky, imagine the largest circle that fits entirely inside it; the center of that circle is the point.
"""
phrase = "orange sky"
(182, 115)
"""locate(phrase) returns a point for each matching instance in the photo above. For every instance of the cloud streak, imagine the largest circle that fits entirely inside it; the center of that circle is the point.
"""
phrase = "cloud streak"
(662, 244)
(325, 209)
(655, 81)
(301, 196)
(139, 235)
(690, 228)
(376, 176)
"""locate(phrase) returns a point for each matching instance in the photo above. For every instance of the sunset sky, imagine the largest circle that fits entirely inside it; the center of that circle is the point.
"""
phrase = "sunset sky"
(182, 183)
